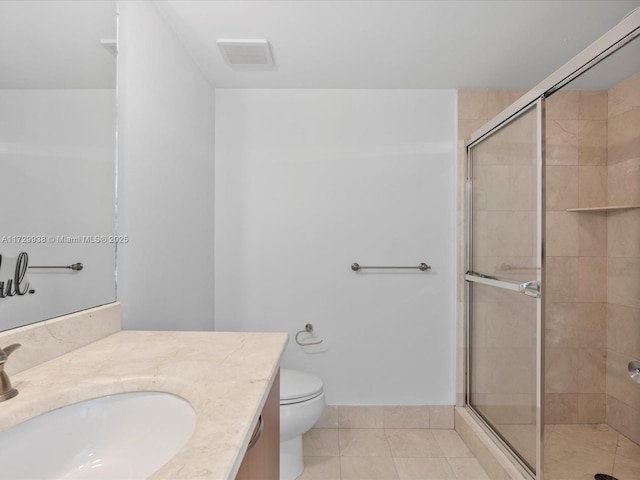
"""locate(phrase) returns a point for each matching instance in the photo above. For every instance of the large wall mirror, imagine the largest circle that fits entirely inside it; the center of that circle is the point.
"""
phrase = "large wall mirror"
(57, 157)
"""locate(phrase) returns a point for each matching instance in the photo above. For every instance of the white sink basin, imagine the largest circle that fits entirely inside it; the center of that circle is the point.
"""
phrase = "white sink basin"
(123, 436)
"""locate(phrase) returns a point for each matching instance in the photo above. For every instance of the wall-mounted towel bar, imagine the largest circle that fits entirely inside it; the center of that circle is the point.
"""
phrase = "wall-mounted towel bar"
(76, 266)
(423, 267)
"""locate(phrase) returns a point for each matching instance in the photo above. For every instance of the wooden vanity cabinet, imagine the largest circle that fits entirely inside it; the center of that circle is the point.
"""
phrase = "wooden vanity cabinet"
(262, 460)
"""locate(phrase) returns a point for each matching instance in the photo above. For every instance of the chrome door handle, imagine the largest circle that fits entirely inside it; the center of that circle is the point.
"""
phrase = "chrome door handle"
(531, 289)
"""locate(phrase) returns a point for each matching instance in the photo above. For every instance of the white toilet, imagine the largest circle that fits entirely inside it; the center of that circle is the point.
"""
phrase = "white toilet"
(301, 405)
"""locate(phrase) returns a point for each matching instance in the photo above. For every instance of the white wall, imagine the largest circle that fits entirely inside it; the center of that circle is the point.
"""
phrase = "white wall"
(57, 178)
(309, 181)
(165, 178)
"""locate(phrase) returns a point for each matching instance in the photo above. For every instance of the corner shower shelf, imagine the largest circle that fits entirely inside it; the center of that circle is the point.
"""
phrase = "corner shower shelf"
(603, 209)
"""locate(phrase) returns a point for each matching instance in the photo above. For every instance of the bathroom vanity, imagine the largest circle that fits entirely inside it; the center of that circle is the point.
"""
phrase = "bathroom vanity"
(230, 379)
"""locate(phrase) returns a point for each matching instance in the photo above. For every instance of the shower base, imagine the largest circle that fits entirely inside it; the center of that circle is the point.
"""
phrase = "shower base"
(581, 451)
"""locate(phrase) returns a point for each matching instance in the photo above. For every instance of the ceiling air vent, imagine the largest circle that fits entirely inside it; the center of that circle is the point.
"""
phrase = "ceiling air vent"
(242, 53)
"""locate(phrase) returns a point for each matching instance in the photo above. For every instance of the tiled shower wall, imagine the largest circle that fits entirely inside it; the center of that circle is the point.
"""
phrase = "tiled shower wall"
(576, 257)
(623, 257)
(593, 259)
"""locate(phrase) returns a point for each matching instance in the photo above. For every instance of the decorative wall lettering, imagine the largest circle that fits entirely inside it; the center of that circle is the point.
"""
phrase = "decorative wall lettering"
(16, 285)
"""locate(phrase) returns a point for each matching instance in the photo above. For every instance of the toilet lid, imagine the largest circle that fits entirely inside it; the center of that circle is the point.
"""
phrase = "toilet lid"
(298, 386)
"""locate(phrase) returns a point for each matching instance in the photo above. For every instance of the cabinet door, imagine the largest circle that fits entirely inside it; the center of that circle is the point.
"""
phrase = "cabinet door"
(262, 460)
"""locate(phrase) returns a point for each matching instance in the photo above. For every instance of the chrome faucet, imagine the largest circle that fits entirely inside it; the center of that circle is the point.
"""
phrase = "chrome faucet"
(6, 390)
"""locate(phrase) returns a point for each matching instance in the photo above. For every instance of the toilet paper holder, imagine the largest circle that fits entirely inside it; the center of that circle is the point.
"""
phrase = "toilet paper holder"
(308, 328)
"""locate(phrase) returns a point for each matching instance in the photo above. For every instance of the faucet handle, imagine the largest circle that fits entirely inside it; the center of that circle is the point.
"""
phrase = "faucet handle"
(6, 351)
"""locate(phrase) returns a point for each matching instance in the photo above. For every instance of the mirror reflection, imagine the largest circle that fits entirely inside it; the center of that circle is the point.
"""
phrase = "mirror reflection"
(57, 158)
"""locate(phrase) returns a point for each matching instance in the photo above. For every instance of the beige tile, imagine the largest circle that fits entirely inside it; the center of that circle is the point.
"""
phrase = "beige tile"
(623, 335)
(463, 428)
(561, 370)
(561, 325)
(626, 468)
(593, 105)
(503, 409)
(329, 418)
(623, 134)
(563, 104)
(592, 325)
(592, 234)
(623, 229)
(593, 186)
(361, 416)
(575, 451)
(321, 442)
(472, 103)
(368, 468)
(321, 468)
(413, 442)
(592, 142)
(505, 187)
(623, 281)
(423, 469)
(467, 127)
(592, 368)
(503, 233)
(561, 142)
(548, 430)
(441, 416)
(562, 187)
(624, 96)
(562, 233)
(512, 370)
(598, 437)
(368, 442)
(510, 409)
(623, 182)
(406, 416)
(562, 279)
(467, 469)
(568, 462)
(627, 449)
(451, 444)
(592, 279)
(561, 408)
(620, 386)
(622, 417)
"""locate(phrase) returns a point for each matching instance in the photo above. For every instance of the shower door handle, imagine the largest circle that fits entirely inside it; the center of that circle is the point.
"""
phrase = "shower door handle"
(531, 289)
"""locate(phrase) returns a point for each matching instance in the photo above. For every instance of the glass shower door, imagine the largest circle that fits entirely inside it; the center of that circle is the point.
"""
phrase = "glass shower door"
(503, 282)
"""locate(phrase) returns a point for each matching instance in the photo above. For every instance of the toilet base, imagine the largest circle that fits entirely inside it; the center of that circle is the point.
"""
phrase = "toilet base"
(291, 462)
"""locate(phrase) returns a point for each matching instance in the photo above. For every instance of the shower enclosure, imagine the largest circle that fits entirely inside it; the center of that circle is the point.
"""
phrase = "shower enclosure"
(553, 267)
(504, 256)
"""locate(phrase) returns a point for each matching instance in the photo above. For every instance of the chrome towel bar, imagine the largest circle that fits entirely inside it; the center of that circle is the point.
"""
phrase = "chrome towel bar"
(76, 266)
(423, 267)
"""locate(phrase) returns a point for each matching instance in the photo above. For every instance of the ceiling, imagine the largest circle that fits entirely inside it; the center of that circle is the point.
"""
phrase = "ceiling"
(56, 44)
(394, 43)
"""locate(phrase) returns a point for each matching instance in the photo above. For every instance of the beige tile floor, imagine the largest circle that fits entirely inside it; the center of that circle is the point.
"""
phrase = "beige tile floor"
(578, 452)
(388, 454)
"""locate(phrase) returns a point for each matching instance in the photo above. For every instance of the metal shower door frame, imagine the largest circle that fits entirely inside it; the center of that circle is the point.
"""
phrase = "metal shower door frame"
(521, 287)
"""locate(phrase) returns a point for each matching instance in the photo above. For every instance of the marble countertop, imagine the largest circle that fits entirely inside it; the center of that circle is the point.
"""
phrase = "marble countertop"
(226, 376)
